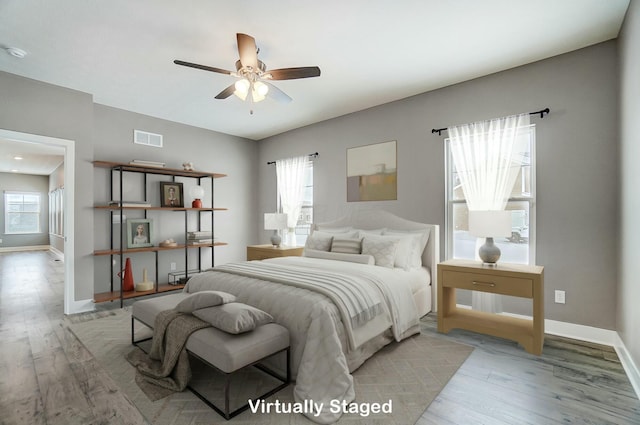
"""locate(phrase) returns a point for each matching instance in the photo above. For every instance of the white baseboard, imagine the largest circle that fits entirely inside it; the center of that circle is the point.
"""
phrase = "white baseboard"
(628, 364)
(580, 332)
(25, 248)
(55, 251)
(81, 306)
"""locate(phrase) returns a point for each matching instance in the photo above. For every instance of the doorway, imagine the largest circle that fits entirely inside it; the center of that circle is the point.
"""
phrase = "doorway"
(69, 190)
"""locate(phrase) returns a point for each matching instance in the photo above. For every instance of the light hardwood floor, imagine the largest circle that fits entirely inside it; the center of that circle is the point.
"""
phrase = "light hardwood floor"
(48, 377)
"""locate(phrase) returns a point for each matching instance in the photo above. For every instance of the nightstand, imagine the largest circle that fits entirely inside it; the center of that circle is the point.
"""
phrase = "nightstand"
(261, 252)
(505, 279)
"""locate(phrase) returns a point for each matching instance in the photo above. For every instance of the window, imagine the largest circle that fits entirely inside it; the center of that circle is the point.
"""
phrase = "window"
(520, 247)
(305, 219)
(21, 212)
(56, 212)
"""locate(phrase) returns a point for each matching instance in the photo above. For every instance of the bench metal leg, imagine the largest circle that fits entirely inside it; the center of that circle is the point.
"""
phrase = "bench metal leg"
(133, 341)
(226, 413)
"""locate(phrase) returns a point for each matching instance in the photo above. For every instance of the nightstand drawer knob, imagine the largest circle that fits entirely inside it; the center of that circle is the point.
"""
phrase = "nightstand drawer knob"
(491, 284)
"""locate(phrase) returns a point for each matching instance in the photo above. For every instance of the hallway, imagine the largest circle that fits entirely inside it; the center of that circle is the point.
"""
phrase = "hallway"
(46, 375)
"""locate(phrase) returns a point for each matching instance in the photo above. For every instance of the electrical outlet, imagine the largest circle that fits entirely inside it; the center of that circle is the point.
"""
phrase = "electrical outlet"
(0, 240)
(173, 267)
(560, 297)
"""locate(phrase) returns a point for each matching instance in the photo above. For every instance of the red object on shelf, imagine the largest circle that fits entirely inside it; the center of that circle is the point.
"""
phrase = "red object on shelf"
(127, 276)
(197, 203)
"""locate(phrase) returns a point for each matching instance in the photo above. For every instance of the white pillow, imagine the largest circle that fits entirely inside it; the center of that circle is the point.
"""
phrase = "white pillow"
(346, 245)
(234, 318)
(319, 240)
(338, 256)
(382, 249)
(420, 239)
(203, 299)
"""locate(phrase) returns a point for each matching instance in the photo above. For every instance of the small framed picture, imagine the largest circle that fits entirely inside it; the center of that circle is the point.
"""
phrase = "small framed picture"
(139, 232)
(171, 194)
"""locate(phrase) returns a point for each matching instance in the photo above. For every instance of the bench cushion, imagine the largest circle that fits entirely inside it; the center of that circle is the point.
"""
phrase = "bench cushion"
(230, 352)
(147, 310)
(225, 351)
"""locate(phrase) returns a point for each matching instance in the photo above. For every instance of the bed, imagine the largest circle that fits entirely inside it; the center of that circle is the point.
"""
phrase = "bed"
(340, 309)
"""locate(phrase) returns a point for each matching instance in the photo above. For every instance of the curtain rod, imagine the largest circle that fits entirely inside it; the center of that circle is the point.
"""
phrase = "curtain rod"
(314, 155)
(541, 112)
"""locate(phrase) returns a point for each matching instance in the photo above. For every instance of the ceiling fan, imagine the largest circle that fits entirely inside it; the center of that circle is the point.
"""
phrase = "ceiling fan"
(252, 74)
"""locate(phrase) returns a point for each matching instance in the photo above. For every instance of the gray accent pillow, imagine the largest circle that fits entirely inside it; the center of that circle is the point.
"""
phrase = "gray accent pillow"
(319, 240)
(234, 318)
(203, 299)
(346, 245)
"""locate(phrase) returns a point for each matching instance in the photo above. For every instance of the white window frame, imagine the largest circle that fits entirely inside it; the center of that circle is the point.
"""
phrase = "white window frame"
(7, 213)
(530, 199)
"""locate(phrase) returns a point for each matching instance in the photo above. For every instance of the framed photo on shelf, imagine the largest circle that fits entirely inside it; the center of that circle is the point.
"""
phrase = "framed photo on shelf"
(171, 194)
(139, 232)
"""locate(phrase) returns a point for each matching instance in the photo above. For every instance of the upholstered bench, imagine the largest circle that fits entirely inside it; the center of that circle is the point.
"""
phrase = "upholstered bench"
(225, 352)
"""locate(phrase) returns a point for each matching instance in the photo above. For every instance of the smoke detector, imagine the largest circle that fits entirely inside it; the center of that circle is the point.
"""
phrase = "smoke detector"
(16, 52)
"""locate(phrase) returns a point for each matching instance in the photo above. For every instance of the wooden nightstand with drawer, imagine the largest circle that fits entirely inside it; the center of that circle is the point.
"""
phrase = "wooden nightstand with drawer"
(505, 279)
(262, 252)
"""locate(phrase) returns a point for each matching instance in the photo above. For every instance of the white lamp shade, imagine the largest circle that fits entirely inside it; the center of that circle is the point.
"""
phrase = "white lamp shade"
(490, 224)
(274, 221)
(196, 192)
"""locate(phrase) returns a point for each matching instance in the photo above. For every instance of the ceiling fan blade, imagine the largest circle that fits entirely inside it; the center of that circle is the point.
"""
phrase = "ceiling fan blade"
(277, 94)
(294, 73)
(226, 92)
(247, 50)
(203, 67)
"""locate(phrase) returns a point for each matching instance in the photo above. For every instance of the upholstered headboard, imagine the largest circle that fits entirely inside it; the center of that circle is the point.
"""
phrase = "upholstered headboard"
(376, 219)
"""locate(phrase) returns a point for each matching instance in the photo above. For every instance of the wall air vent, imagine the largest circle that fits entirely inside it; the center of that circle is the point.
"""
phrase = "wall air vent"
(145, 138)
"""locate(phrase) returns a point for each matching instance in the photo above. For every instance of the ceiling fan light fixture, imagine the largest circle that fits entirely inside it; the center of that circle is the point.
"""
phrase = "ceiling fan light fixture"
(261, 88)
(242, 88)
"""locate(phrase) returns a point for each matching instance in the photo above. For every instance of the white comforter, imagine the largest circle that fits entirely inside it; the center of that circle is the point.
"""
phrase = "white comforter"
(319, 340)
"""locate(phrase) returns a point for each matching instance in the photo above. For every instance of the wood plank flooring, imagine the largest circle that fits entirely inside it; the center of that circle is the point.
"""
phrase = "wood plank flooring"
(48, 377)
(573, 382)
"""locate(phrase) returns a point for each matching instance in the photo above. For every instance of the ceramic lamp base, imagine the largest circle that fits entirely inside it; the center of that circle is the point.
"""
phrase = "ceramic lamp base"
(197, 203)
(276, 240)
(489, 253)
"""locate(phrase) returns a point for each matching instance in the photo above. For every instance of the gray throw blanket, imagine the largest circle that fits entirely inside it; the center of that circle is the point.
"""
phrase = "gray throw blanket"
(166, 369)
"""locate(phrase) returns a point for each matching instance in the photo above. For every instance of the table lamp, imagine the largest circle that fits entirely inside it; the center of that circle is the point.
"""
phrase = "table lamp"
(489, 224)
(275, 222)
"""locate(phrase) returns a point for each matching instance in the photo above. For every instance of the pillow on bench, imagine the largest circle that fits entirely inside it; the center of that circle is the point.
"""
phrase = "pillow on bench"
(234, 318)
(203, 299)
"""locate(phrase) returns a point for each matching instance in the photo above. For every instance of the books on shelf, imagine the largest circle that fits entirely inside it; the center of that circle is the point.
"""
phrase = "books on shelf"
(201, 241)
(200, 235)
(145, 163)
(130, 203)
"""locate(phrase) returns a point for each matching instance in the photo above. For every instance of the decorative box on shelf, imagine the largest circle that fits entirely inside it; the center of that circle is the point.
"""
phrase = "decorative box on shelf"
(178, 277)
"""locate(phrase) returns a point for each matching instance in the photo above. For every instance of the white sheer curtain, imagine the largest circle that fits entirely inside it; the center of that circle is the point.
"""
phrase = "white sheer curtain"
(290, 181)
(487, 156)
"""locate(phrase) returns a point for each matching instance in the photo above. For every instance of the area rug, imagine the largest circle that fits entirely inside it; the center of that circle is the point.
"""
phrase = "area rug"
(409, 374)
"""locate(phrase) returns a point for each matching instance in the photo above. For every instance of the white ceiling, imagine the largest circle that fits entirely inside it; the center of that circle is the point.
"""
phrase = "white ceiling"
(370, 51)
(36, 158)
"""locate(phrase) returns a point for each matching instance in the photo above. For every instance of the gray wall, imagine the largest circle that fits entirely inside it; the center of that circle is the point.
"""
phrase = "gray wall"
(33, 107)
(628, 321)
(577, 162)
(209, 151)
(26, 183)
